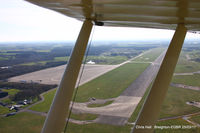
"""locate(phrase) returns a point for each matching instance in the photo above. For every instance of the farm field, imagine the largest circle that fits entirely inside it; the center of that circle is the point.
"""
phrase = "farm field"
(176, 122)
(196, 119)
(9, 124)
(186, 61)
(21, 123)
(175, 105)
(35, 122)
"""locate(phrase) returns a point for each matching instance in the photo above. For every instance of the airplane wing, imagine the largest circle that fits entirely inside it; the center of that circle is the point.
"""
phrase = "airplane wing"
(161, 14)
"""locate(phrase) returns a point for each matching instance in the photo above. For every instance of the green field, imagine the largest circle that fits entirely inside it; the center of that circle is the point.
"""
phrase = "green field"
(98, 88)
(7, 100)
(150, 55)
(83, 116)
(192, 80)
(43, 50)
(109, 60)
(196, 118)
(97, 128)
(31, 123)
(184, 65)
(4, 58)
(34, 63)
(4, 110)
(45, 105)
(187, 66)
(11, 91)
(21, 123)
(65, 58)
(56, 59)
(115, 81)
(5, 53)
(176, 122)
(174, 103)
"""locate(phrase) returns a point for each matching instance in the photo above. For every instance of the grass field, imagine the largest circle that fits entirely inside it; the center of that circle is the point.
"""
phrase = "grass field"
(45, 105)
(7, 100)
(56, 59)
(150, 56)
(174, 103)
(5, 53)
(184, 65)
(196, 118)
(34, 63)
(97, 128)
(187, 66)
(4, 58)
(11, 91)
(65, 58)
(109, 60)
(21, 123)
(3, 110)
(113, 82)
(173, 129)
(30, 123)
(192, 80)
(83, 116)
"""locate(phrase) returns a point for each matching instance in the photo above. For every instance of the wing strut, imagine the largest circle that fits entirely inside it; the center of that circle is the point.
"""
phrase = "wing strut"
(56, 118)
(151, 108)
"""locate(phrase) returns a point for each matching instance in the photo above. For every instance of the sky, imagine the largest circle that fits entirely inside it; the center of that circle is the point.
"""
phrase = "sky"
(21, 21)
